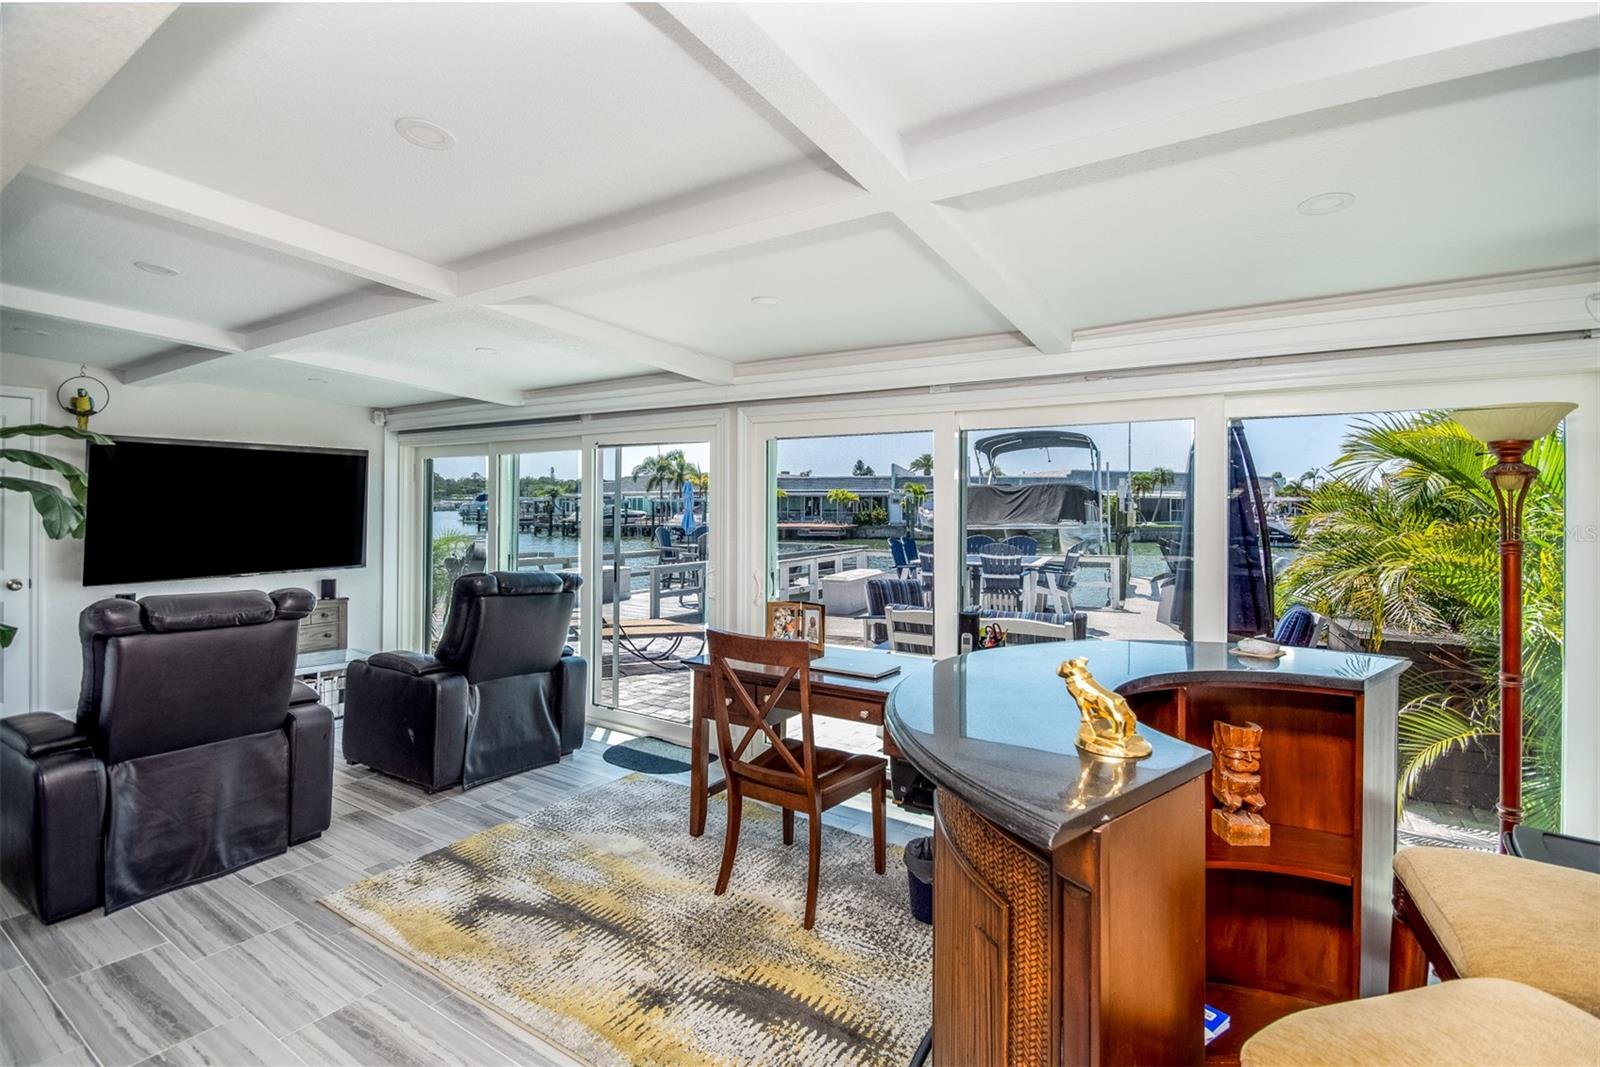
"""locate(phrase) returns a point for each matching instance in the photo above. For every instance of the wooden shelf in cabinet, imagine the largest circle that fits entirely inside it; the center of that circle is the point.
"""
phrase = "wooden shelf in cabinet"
(1295, 850)
(1251, 1010)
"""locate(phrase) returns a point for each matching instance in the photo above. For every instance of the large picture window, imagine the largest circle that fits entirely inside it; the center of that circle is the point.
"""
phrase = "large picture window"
(1077, 531)
(1378, 532)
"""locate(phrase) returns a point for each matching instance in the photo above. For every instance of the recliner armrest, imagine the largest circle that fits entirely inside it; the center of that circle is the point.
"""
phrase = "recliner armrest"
(301, 693)
(40, 733)
(416, 663)
(572, 690)
(310, 730)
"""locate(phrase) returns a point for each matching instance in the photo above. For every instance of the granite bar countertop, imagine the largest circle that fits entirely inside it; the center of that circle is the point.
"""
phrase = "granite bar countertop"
(997, 727)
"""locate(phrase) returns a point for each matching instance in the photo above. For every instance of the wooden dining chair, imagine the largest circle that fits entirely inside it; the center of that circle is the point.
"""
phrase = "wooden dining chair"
(795, 775)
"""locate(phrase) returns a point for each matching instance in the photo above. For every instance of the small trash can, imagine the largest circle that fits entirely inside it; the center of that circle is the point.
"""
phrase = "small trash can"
(919, 876)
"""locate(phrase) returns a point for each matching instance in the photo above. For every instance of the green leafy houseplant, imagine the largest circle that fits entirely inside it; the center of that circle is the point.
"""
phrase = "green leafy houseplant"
(1405, 536)
(61, 513)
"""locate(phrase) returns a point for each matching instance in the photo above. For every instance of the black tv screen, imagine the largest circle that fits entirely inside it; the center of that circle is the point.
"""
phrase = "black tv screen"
(167, 510)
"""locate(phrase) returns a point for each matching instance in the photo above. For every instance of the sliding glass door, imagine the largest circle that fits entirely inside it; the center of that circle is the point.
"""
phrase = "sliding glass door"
(540, 496)
(849, 525)
(1077, 530)
(648, 575)
(457, 516)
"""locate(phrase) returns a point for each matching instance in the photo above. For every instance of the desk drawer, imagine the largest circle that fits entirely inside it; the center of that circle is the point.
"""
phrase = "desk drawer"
(325, 628)
(325, 615)
(843, 708)
(318, 639)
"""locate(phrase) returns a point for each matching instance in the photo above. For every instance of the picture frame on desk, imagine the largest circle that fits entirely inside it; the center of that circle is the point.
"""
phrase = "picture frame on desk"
(798, 620)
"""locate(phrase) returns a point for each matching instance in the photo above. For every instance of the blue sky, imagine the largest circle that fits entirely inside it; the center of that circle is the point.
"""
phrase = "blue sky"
(1291, 445)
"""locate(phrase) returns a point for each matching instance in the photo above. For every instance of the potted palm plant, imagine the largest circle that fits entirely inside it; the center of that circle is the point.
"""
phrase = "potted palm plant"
(61, 511)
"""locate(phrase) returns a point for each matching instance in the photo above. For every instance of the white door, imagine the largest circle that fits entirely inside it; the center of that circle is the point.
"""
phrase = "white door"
(16, 570)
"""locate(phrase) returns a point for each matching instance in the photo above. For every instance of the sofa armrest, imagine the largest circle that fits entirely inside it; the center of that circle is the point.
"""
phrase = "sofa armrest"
(52, 808)
(40, 733)
(310, 730)
(414, 663)
(572, 684)
(410, 726)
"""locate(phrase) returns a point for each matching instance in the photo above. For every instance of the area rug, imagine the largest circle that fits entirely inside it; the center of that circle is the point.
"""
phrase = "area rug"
(650, 755)
(593, 924)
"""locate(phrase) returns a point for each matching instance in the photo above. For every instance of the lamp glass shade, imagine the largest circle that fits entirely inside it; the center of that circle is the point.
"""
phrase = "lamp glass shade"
(1513, 422)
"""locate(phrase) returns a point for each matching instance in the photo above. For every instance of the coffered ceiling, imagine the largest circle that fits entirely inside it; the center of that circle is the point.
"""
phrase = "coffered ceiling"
(391, 205)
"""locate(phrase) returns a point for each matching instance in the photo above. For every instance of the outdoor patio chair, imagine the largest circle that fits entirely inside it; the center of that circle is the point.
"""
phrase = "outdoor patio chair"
(909, 629)
(976, 543)
(1002, 583)
(1038, 627)
(1028, 546)
(883, 592)
(897, 550)
(913, 555)
(1059, 578)
(925, 572)
(1299, 627)
(669, 551)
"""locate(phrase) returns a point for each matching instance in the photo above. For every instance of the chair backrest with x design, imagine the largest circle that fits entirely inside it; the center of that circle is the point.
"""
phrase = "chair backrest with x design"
(737, 705)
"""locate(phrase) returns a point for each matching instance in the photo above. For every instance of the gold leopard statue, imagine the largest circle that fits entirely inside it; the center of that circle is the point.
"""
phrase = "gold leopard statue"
(1109, 728)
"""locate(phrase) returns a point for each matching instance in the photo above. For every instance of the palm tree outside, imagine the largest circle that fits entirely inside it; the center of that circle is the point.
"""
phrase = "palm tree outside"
(1160, 478)
(843, 500)
(923, 464)
(669, 470)
(1402, 535)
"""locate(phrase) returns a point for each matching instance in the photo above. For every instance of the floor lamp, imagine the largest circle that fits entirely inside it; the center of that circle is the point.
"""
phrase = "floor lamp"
(1509, 431)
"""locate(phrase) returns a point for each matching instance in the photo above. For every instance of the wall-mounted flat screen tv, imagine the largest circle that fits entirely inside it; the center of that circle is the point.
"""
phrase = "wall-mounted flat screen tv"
(169, 510)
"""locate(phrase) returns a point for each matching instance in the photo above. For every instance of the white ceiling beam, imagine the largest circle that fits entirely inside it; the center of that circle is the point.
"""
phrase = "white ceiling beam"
(310, 331)
(185, 364)
(106, 316)
(122, 181)
(445, 384)
(667, 240)
(661, 354)
(54, 58)
(349, 318)
(1414, 46)
(802, 85)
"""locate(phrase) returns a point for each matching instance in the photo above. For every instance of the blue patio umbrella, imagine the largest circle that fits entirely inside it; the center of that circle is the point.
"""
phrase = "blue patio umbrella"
(688, 509)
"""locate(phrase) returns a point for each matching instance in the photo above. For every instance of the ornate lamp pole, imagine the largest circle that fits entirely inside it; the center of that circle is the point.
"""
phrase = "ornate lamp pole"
(1509, 431)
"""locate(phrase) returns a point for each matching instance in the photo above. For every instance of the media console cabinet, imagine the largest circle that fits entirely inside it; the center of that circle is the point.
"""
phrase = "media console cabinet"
(1083, 910)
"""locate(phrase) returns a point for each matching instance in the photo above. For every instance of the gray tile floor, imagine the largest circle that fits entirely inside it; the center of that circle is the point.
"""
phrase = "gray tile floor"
(250, 969)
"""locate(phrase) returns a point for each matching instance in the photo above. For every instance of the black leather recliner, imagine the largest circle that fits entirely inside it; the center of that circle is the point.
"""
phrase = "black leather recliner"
(194, 753)
(502, 693)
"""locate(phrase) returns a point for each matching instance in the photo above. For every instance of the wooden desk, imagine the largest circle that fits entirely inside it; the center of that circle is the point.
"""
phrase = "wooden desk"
(835, 696)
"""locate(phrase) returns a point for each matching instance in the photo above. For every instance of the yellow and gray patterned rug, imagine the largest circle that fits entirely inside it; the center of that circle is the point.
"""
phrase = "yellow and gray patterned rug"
(593, 924)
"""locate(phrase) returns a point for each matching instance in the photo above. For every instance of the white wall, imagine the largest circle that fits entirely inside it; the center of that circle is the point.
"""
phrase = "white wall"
(203, 412)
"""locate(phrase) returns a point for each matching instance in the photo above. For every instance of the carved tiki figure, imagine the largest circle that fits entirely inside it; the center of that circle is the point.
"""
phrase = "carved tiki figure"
(1236, 783)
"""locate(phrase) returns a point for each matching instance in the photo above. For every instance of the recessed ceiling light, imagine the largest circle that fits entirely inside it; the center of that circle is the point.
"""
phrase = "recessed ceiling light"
(154, 268)
(766, 301)
(425, 134)
(1325, 203)
(319, 381)
(487, 351)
